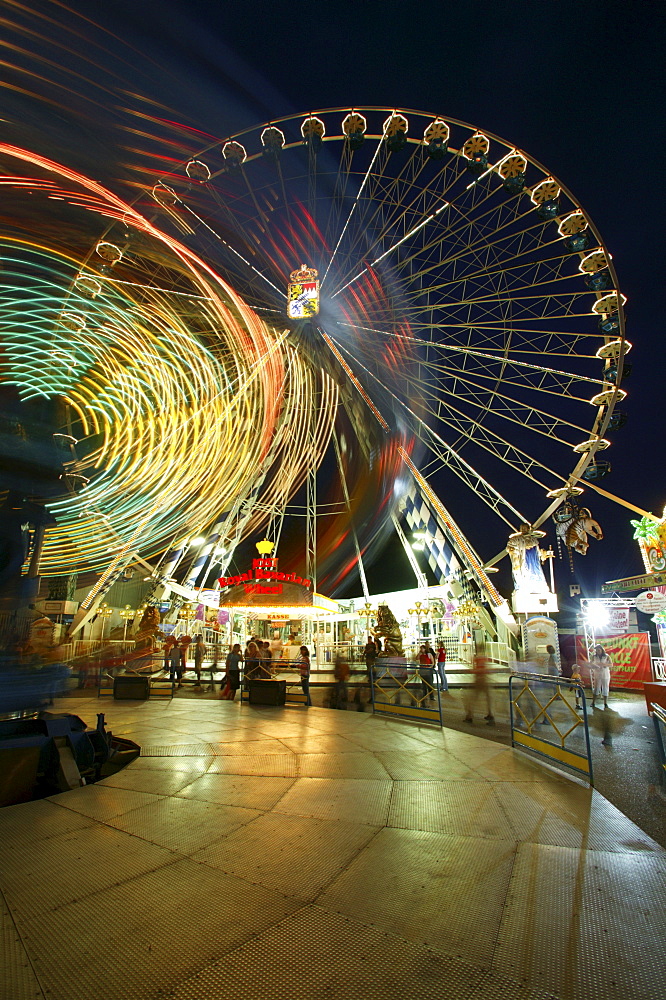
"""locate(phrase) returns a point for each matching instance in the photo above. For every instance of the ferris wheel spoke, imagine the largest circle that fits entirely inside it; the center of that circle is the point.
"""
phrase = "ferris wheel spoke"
(416, 222)
(552, 306)
(531, 335)
(475, 379)
(497, 228)
(464, 390)
(504, 407)
(447, 238)
(390, 218)
(516, 276)
(243, 265)
(449, 458)
(504, 356)
(356, 207)
(470, 430)
(516, 458)
(515, 273)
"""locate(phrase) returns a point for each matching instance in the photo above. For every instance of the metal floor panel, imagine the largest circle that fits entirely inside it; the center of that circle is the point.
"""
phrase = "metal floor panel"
(513, 766)
(183, 825)
(175, 743)
(465, 808)
(562, 814)
(280, 766)
(257, 854)
(372, 739)
(315, 955)
(25, 824)
(133, 941)
(154, 782)
(438, 891)
(356, 800)
(190, 749)
(17, 978)
(249, 791)
(340, 765)
(101, 802)
(190, 765)
(312, 852)
(602, 933)
(626, 836)
(251, 747)
(328, 743)
(285, 731)
(436, 763)
(74, 865)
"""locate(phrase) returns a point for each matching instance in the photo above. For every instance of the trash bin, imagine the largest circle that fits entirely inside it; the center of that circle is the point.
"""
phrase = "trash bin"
(268, 692)
(127, 687)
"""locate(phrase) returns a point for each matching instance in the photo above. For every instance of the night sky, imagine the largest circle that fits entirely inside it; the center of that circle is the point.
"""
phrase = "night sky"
(577, 85)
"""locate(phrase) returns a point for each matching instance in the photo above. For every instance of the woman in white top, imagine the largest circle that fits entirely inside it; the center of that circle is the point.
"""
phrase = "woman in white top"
(600, 669)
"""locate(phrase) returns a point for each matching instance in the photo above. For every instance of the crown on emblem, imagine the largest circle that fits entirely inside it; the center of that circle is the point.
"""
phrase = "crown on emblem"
(304, 274)
(264, 548)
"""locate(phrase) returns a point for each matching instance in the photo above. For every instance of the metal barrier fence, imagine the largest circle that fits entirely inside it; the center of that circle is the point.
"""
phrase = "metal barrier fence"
(538, 700)
(458, 654)
(659, 721)
(406, 690)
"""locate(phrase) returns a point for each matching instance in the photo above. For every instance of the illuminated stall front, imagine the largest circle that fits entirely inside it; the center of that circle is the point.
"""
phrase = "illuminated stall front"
(272, 605)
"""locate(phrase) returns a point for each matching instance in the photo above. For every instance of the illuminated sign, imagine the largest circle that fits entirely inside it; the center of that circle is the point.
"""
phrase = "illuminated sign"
(263, 578)
(633, 583)
(303, 293)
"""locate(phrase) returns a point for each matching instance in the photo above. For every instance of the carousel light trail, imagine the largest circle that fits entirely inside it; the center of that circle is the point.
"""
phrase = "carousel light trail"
(171, 427)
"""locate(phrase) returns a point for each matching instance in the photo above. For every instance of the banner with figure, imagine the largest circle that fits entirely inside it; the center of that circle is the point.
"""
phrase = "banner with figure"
(630, 656)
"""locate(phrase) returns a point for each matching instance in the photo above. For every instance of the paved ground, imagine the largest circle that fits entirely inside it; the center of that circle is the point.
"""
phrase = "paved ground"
(295, 853)
(628, 773)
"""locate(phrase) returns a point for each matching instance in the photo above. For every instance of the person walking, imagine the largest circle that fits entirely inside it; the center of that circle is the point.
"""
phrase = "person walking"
(551, 664)
(370, 655)
(341, 673)
(199, 656)
(577, 679)
(479, 688)
(600, 668)
(168, 644)
(266, 660)
(251, 661)
(304, 667)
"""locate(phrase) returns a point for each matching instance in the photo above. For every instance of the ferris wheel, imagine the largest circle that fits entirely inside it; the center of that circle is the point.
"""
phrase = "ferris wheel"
(455, 291)
(383, 295)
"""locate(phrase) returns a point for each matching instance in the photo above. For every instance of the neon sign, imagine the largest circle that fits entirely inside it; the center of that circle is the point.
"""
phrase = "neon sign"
(263, 578)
